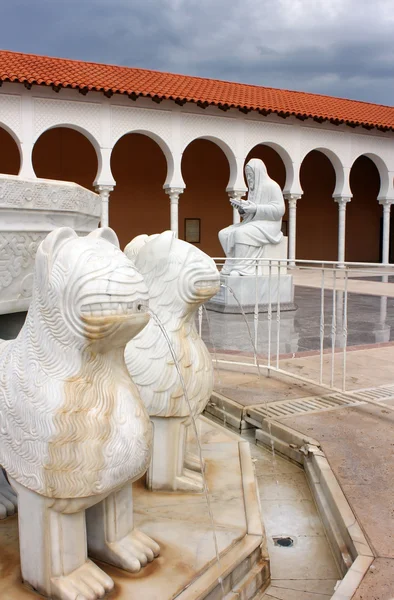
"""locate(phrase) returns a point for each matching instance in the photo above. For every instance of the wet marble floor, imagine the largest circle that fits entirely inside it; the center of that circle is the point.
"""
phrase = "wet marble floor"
(370, 321)
(307, 569)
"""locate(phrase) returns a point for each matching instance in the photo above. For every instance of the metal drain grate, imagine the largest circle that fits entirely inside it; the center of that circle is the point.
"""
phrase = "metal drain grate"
(287, 408)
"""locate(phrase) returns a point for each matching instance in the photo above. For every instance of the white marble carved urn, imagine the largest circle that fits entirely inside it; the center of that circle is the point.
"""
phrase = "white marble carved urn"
(29, 210)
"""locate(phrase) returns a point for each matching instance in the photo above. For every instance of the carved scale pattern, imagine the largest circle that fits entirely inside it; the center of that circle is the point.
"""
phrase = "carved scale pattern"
(170, 268)
(197, 126)
(364, 144)
(336, 141)
(126, 119)
(259, 132)
(48, 113)
(10, 112)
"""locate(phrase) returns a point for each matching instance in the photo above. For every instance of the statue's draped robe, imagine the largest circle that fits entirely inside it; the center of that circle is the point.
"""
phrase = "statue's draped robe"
(247, 239)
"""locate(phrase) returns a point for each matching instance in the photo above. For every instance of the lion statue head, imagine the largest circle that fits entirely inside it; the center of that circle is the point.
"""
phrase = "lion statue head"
(86, 289)
(180, 277)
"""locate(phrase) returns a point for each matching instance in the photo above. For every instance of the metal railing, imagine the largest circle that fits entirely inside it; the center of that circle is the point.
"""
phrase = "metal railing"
(330, 290)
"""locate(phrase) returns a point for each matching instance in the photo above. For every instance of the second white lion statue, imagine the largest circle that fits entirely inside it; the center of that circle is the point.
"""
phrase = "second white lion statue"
(180, 278)
(74, 433)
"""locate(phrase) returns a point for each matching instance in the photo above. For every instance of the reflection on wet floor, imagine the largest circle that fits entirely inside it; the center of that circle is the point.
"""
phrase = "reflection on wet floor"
(369, 321)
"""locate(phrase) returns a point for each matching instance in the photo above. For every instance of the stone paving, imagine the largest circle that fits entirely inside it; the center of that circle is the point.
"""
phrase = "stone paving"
(359, 445)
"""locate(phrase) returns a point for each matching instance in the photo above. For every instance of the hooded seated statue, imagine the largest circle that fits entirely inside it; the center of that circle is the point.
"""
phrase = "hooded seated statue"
(261, 225)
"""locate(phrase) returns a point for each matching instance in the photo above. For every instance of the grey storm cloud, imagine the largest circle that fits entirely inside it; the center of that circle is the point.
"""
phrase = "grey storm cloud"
(337, 47)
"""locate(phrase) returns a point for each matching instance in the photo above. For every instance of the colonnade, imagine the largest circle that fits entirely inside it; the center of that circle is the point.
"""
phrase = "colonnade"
(174, 195)
(174, 187)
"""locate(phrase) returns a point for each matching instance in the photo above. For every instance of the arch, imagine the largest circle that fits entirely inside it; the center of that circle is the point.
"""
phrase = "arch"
(206, 170)
(273, 161)
(317, 213)
(286, 159)
(341, 182)
(161, 143)
(10, 151)
(363, 213)
(85, 132)
(383, 171)
(139, 166)
(83, 155)
(12, 133)
(235, 177)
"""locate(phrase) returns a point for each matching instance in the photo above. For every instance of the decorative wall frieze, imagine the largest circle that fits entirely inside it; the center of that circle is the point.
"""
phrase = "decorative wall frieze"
(17, 193)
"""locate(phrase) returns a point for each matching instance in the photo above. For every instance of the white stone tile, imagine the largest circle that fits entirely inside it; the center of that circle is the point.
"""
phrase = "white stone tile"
(293, 518)
(266, 464)
(320, 586)
(288, 594)
(289, 486)
(310, 558)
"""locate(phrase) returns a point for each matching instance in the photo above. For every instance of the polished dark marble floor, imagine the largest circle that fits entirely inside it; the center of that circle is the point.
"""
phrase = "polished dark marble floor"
(370, 320)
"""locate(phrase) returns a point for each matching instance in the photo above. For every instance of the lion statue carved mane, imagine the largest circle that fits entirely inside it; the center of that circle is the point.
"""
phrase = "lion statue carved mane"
(180, 278)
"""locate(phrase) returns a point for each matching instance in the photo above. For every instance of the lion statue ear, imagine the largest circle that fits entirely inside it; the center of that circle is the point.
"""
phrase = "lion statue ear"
(136, 244)
(49, 249)
(105, 233)
(154, 254)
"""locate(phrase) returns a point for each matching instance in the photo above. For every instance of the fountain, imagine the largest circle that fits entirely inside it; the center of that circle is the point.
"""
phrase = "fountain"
(78, 439)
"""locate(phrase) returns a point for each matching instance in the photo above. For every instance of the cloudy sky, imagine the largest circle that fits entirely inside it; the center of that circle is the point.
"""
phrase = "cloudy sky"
(338, 47)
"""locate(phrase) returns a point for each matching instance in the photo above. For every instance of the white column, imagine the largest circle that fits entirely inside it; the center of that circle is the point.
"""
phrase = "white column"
(27, 140)
(342, 201)
(174, 194)
(104, 191)
(386, 230)
(292, 232)
(237, 195)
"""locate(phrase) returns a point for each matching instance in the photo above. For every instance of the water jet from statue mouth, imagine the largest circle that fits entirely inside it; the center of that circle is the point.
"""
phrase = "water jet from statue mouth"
(208, 284)
(113, 308)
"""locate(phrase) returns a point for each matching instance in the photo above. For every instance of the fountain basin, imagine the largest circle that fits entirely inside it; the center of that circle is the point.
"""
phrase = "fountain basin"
(187, 568)
(29, 210)
(248, 290)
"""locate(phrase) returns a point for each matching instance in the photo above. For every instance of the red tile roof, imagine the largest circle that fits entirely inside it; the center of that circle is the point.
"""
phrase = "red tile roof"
(86, 76)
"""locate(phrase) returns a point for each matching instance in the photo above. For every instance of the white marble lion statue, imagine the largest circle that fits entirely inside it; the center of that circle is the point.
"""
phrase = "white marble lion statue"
(74, 433)
(180, 278)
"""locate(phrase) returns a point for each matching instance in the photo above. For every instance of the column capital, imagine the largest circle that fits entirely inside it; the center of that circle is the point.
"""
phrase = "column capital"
(238, 194)
(342, 201)
(174, 190)
(174, 194)
(292, 197)
(386, 202)
(104, 190)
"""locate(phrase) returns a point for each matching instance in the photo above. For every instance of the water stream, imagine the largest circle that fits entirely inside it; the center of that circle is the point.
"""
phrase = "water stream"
(216, 362)
(256, 362)
(196, 433)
